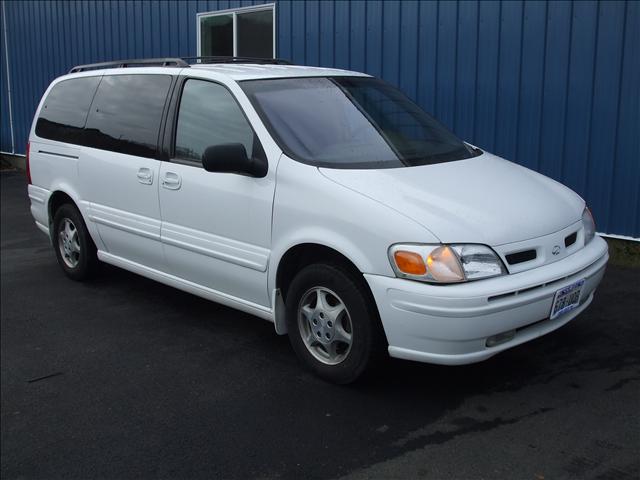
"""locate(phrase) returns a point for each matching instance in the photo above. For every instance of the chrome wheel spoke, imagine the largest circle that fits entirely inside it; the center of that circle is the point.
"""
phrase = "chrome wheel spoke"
(322, 327)
(332, 350)
(68, 228)
(333, 314)
(321, 301)
(307, 311)
(342, 335)
(75, 246)
(69, 243)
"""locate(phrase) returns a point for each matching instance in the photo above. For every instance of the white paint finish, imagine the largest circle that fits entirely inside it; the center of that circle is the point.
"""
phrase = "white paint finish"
(239, 72)
(222, 236)
(484, 199)
(216, 229)
(543, 246)
(451, 324)
(187, 286)
(478, 351)
(39, 200)
(310, 208)
(215, 246)
(127, 212)
(57, 167)
(43, 228)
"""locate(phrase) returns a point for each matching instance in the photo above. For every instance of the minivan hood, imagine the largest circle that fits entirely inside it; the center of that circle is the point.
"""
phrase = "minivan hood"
(484, 199)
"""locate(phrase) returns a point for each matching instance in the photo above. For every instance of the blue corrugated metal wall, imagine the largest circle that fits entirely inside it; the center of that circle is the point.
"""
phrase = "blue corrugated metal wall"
(551, 85)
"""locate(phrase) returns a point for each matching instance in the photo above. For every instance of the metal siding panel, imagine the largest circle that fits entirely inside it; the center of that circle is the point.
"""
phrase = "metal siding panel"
(446, 63)
(624, 212)
(531, 84)
(358, 37)
(341, 32)
(579, 99)
(312, 34)
(283, 18)
(326, 33)
(555, 88)
(544, 84)
(108, 30)
(165, 32)
(373, 54)
(5, 127)
(297, 32)
(427, 55)
(192, 9)
(409, 14)
(16, 23)
(391, 42)
(605, 109)
(466, 69)
(487, 81)
(509, 79)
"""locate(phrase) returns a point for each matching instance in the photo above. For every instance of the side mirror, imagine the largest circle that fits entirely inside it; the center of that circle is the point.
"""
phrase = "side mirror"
(232, 158)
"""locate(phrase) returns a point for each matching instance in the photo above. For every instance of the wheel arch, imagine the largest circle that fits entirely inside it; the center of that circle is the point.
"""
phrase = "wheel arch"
(297, 257)
(56, 200)
(62, 194)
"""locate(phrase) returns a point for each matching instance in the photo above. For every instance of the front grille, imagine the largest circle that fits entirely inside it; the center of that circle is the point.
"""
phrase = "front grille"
(570, 239)
(556, 281)
(521, 257)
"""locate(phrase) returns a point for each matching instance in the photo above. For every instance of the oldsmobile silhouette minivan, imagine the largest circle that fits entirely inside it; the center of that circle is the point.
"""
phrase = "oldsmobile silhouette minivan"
(324, 201)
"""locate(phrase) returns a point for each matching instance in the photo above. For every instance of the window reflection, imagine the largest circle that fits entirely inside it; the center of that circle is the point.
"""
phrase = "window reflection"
(209, 115)
(65, 109)
(126, 113)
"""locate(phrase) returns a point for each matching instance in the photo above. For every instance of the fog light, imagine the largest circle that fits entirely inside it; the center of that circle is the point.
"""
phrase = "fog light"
(500, 338)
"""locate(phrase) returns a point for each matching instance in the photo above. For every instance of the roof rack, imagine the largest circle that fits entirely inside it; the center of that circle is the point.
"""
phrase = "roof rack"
(158, 62)
(228, 59)
(177, 62)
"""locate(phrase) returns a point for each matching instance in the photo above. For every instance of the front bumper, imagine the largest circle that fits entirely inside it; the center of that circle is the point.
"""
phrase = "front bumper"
(450, 324)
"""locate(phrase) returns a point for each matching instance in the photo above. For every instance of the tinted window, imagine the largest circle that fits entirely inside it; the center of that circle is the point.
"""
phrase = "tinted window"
(216, 35)
(126, 113)
(351, 122)
(65, 109)
(255, 34)
(209, 115)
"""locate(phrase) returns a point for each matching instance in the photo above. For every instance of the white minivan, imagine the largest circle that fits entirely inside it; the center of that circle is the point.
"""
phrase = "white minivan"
(324, 201)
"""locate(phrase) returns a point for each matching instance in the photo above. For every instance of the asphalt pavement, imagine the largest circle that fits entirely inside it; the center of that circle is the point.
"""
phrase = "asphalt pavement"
(124, 378)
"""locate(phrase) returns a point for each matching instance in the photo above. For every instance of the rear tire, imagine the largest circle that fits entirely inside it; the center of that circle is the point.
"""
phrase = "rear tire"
(333, 323)
(74, 248)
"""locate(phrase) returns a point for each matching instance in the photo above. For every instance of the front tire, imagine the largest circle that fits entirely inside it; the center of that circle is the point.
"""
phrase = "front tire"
(333, 323)
(74, 248)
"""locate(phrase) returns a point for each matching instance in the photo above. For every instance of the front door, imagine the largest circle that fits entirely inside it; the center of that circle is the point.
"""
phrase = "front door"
(216, 227)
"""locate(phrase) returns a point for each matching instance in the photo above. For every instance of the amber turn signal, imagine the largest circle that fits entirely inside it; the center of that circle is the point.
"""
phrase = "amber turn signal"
(410, 263)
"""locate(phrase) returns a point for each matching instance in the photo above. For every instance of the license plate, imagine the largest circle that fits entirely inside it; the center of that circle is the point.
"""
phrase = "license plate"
(566, 299)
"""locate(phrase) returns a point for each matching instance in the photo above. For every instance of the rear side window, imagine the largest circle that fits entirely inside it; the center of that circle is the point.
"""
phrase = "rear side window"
(65, 110)
(209, 115)
(126, 113)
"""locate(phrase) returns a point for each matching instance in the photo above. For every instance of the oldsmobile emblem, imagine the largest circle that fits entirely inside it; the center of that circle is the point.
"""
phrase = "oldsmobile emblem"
(556, 250)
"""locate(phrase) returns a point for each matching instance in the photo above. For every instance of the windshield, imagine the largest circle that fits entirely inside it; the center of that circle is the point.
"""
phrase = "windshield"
(351, 122)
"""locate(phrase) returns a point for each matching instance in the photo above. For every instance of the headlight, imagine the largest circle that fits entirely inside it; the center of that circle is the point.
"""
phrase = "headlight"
(445, 263)
(589, 225)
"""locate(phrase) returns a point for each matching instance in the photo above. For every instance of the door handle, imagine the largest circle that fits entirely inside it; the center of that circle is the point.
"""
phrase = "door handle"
(145, 176)
(171, 180)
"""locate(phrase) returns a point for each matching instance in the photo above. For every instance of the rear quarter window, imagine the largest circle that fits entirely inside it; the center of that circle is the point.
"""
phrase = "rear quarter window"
(64, 112)
(126, 114)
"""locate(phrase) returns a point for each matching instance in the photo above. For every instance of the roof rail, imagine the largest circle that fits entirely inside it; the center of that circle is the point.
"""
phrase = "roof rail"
(228, 59)
(158, 62)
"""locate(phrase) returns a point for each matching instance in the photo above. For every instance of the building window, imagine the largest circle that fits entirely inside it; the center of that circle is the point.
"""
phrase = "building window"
(242, 32)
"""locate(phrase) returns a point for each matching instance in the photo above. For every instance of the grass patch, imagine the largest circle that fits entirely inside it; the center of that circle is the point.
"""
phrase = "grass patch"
(624, 253)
